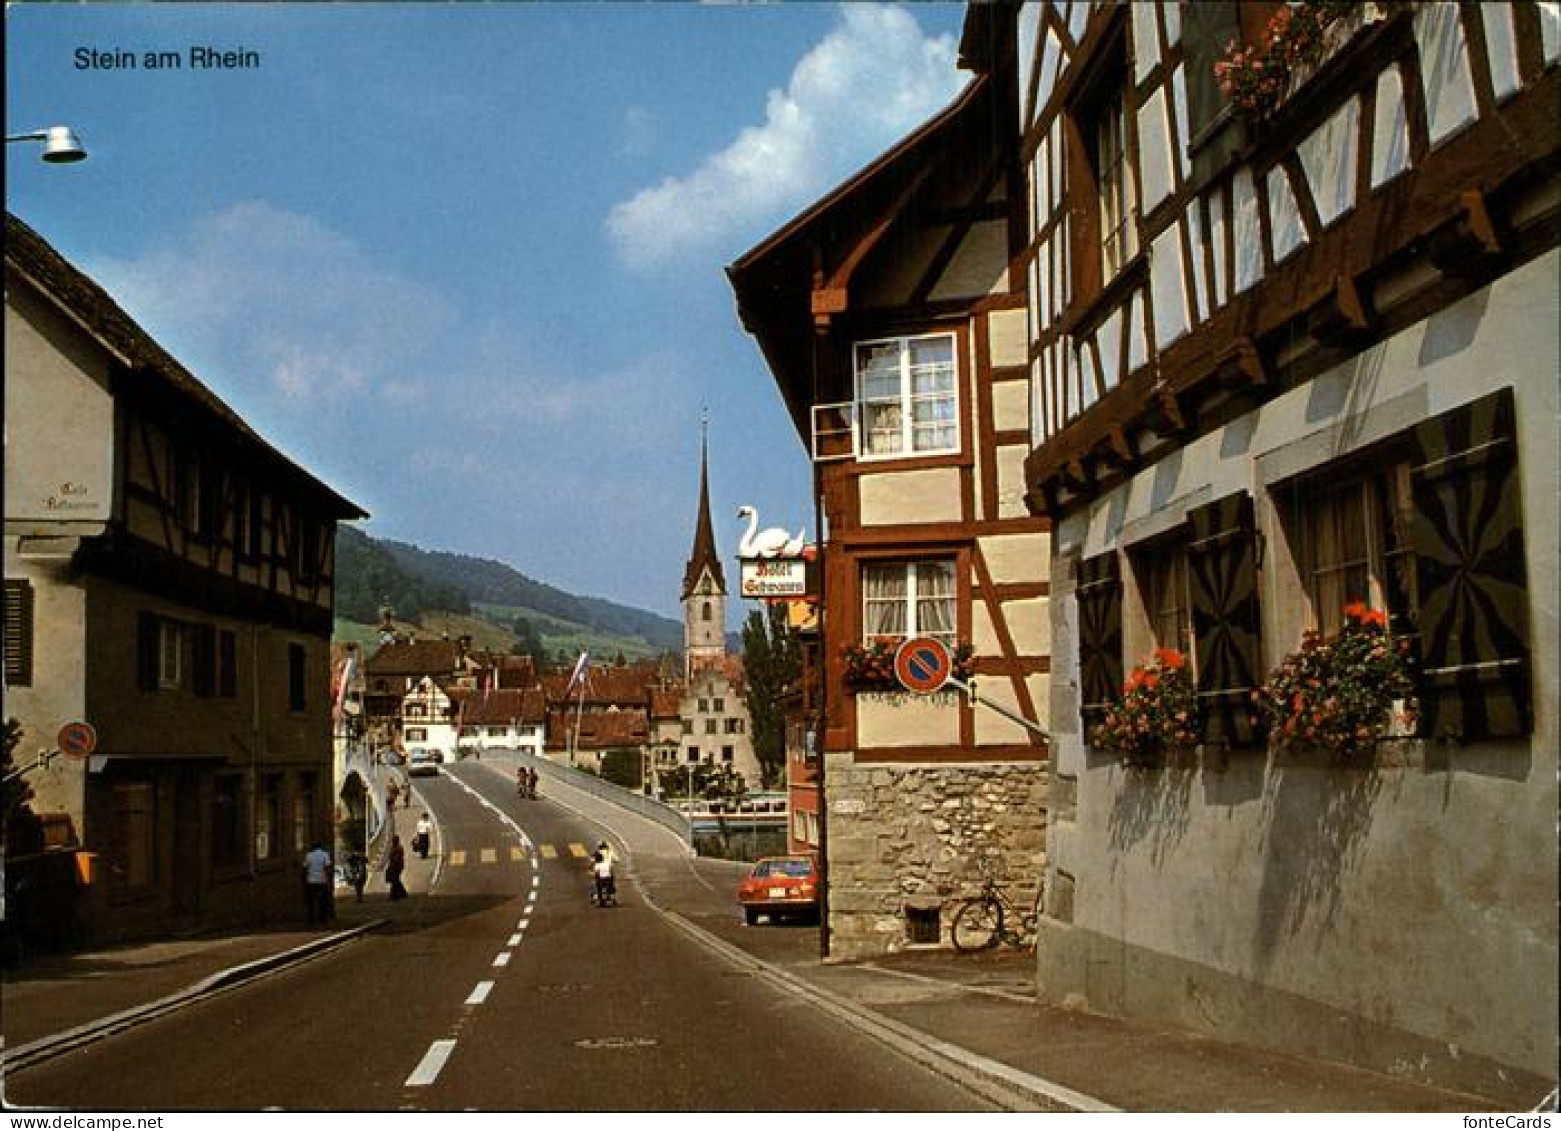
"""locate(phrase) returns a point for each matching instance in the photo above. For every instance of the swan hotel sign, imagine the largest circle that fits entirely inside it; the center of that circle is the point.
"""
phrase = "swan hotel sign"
(775, 577)
(772, 560)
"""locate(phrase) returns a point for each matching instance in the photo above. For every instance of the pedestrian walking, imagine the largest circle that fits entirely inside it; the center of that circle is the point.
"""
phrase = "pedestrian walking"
(358, 873)
(393, 869)
(424, 836)
(392, 794)
(317, 885)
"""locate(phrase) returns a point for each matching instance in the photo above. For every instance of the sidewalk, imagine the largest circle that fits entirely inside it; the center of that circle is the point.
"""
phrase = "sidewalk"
(972, 1017)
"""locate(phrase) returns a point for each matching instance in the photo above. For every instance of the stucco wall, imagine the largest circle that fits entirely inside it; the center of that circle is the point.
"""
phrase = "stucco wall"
(910, 496)
(1399, 914)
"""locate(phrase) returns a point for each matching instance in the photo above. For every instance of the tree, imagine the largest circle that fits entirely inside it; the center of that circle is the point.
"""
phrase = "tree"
(21, 830)
(772, 664)
(529, 642)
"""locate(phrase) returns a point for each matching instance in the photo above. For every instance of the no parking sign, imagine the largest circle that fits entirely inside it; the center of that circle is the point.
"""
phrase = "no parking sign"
(923, 665)
(77, 740)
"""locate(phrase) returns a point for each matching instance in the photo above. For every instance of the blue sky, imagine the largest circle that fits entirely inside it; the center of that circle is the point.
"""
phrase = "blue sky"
(465, 262)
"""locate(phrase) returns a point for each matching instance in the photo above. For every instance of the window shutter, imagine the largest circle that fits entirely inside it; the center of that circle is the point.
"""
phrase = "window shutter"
(227, 666)
(1222, 569)
(1099, 596)
(1468, 539)
(18, 633)
(204, 677)
(148, 655)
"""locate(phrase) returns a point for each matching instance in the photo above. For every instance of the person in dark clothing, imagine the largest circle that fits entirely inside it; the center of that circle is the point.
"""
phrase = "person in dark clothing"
(394, 867)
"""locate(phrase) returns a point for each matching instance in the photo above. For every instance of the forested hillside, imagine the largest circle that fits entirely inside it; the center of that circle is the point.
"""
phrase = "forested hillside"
(418, 581)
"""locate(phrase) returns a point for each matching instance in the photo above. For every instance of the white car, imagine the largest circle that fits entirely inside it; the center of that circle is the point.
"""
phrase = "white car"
(422, 762)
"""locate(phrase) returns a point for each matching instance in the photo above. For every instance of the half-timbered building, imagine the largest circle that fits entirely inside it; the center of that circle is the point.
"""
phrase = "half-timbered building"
(168, 580)
(894, 327)
(1292, 279)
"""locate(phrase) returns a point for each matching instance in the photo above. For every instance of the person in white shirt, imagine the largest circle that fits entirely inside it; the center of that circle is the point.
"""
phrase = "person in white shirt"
(317, 885)
(601, 871)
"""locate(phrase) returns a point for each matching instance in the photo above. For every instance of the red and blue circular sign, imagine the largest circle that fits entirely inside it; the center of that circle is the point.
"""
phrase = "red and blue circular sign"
(923, 665)
(77, 740)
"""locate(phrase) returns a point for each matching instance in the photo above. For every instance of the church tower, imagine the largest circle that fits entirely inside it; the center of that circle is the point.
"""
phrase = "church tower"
(704, 585)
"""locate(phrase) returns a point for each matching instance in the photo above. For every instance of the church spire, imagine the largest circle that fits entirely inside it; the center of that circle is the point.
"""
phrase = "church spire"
(703, 558)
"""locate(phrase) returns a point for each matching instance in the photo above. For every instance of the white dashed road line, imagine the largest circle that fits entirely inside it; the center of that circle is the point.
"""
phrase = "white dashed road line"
(428, 1068)
(480, 994)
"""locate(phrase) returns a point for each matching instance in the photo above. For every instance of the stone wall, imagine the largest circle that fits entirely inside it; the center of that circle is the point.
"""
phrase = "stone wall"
(910, 838)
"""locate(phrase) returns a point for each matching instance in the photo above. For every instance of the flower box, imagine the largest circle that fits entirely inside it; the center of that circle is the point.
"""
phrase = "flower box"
(1341, 694)
(1156, 714)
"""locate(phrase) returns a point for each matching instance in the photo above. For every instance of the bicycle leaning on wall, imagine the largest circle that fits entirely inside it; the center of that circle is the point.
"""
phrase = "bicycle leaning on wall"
(991, 916)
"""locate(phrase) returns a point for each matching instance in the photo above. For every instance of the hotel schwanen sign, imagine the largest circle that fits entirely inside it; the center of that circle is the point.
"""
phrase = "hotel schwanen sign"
(774, 577)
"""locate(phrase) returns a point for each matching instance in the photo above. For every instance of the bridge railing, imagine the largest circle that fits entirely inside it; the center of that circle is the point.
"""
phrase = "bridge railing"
(611, 792)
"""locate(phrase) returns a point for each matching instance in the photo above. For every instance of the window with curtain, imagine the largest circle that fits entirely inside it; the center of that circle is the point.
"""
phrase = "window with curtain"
(1163, 590)
(906, 396)
(903, 599)
(1354, 544)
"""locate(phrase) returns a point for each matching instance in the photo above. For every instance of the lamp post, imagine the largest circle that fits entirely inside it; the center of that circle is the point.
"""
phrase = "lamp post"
(61, 146)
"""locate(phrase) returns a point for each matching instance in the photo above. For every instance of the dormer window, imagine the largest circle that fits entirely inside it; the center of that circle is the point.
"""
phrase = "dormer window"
(906, 396)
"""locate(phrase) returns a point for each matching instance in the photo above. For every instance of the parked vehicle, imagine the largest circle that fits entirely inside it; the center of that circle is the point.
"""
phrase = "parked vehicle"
(422, 762)
(780, 885)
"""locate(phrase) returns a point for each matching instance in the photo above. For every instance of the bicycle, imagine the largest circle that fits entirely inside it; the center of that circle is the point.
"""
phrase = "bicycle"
(983, 920)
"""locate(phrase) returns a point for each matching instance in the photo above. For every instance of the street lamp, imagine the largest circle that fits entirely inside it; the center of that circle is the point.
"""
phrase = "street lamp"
(61, 146)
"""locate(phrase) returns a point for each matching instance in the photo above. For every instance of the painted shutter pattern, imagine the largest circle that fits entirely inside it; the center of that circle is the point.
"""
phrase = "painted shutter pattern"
(1099, 596)
(1468, 541)
(1222, 568)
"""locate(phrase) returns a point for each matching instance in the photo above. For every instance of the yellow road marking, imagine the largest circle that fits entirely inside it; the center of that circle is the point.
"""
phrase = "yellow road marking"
(457, 857)
(516, 853)
(576, 849)
(549, 852)
(490, 856)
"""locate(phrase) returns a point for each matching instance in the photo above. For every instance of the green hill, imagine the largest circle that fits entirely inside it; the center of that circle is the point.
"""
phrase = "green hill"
(495, 604)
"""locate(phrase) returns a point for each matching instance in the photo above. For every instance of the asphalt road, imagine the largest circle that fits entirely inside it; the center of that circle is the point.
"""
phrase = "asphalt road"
(508, 991)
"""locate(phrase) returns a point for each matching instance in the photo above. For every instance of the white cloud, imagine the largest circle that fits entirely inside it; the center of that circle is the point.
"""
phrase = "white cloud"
(870, 81)
(255, 292)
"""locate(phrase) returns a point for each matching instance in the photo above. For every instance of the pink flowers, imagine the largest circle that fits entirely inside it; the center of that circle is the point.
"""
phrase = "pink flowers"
(1255, 77)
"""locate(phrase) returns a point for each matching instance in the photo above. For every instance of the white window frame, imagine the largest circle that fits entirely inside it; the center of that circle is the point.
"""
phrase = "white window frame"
(907, 399)
(912, 599)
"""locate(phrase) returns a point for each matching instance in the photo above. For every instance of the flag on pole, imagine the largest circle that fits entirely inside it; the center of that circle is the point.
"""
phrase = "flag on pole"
(578, 677)
(348, 668)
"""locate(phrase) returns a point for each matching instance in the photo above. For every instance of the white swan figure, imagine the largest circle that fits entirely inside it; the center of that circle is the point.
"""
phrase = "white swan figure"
(771, 543)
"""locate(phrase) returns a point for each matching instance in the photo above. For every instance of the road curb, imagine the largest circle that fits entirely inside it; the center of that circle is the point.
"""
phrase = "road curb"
(1003, 1085)
(45, 1048)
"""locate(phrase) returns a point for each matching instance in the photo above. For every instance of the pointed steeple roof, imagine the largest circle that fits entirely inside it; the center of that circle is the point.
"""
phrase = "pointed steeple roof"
(704, 556)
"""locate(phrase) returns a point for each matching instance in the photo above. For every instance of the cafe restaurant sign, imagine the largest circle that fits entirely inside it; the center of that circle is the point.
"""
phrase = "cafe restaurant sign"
(774, 577)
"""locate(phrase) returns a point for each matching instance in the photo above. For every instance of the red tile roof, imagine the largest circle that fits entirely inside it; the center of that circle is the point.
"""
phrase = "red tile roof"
(501, 707)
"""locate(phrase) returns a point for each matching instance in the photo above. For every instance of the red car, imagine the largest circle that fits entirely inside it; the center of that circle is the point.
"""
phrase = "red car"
(779, 885)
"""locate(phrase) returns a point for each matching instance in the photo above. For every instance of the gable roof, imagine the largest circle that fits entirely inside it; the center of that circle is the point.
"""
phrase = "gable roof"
(501, 707)
(776, 281)
(438, 658)
(145, 362)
